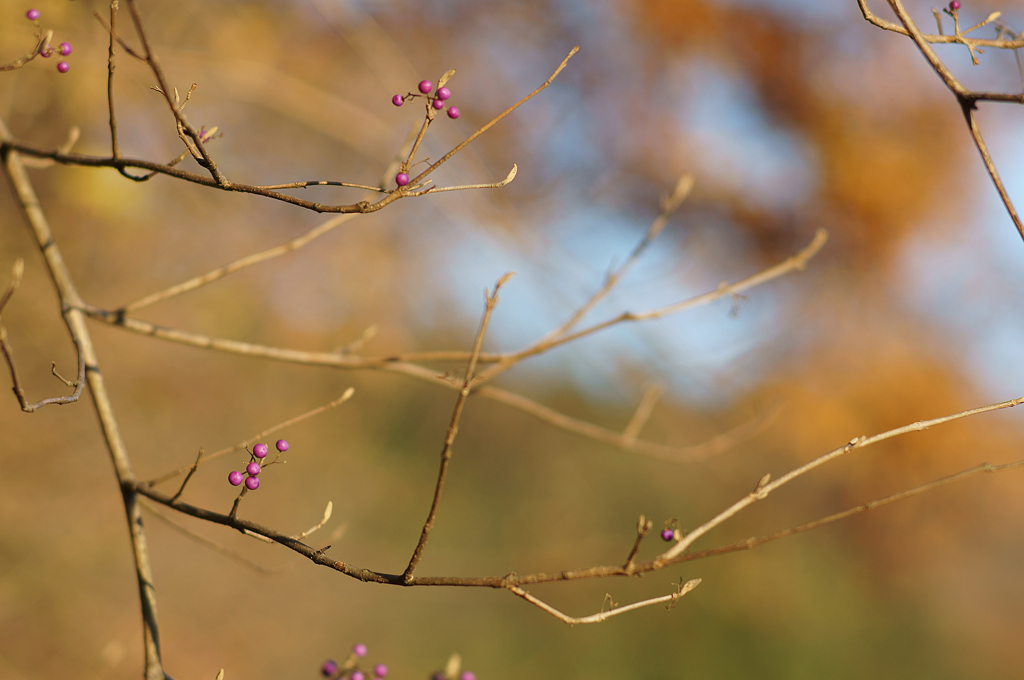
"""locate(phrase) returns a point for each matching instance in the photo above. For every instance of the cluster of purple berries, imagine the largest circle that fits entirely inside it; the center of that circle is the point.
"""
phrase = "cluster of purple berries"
(253, 469)
(46, 51)
(330, 667)
(437, 101)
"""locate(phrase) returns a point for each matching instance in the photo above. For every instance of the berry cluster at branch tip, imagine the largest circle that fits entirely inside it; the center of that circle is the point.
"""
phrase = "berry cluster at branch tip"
(350, 669)
(46, 51)
(437, 102)
(253, 468)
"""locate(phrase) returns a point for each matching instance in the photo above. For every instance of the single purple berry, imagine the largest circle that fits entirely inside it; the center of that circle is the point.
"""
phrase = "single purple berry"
(253, 468)
(426, 86)
(65, 49)
(401, 179)
(359, 649)
(954, 6)
(358, 675)
(328, 668)
(453, 112)
(281, 445)
(32, 14)
(397, 100)
(63, 67)
(380, 671)
(667, 534)
(443, 93)
(46, 52)
(252, 483)
(260, 450)
(234, 478)
(437, 104)
(467, 675)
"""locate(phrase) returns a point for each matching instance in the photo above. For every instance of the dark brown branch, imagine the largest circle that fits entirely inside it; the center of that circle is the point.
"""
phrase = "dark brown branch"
(453, 427)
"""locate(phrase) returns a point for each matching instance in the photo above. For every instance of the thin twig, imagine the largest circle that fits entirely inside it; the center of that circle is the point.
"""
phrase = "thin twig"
(192, 471)
(763, 490)
(604, 615)
(243, 444)
(453, 427)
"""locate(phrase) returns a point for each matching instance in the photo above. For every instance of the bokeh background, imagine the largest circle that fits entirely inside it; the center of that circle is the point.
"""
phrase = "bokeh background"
(792, 115)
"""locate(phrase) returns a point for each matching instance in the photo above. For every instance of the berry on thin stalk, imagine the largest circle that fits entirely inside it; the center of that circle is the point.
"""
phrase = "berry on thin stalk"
(65, 49)
(32, 14)
(63, 67)
(437, 104)
(667, 534)
(954, 5)
(234, 478)
(401, 179)
(397, 100)
(260, 450)
(281, 445)
(380, 671)
(443, 93)
(328, 668)
(426, 86)
(359, 649)
(252, 483)
(453, 112)
(253, 468)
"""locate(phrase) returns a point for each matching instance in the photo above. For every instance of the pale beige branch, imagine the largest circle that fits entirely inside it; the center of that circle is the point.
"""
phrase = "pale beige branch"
(765, 487)
(604, 615)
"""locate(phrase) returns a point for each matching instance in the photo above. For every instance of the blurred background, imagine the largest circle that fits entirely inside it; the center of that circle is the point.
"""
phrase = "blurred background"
(791, 114)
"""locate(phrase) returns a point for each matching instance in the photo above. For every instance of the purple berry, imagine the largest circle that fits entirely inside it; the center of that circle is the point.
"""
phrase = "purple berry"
(358, 675)
(667, 535)
(426, 86)
(32, 14)
(954, 6)
(46, 52)
(328, 668)
(252, 483)
(260, 450)
(453, 112)
(281, 445)
(65, 49)
(380, 671)
(467, 675)
(437, 104)
(397, 100)
(234, 478)
(401, 179)
(63, 67)
(443, 93)
(253, 468)
(359, 650)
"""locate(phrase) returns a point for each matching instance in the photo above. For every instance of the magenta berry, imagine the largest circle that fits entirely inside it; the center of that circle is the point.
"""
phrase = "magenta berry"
(32, 14)
(281, 445)
(954, 5)
(260, 450)
(453, 112)
(380, 671)
(467, 675)
(426, 86)
(65, 49)
(327, 670)
(234, 478)
(667, 535)
(252, 483)
(359, 649)
(46, 52)
(358, 675)
(443, 93)
(253, 468)
(397, 100)
(63, 67)
(437, 104)
(401, 179)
